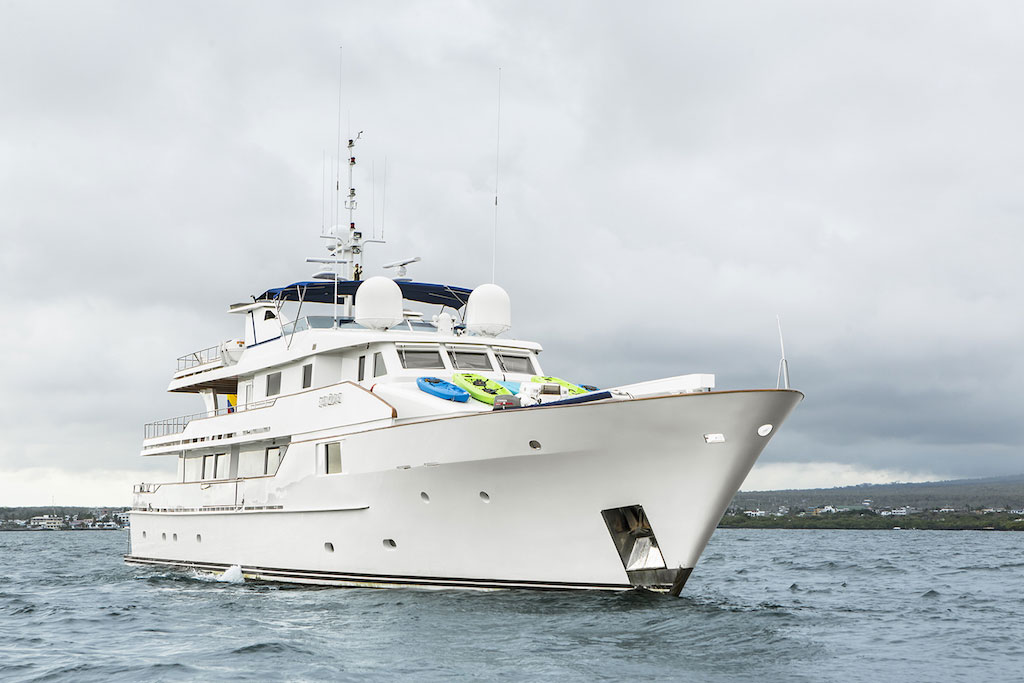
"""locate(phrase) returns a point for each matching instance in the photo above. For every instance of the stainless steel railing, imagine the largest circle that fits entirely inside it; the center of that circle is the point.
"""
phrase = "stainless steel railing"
(201, 357)
(176, 425)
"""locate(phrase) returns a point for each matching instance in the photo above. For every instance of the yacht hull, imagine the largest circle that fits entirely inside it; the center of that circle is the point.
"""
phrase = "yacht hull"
(558, 497)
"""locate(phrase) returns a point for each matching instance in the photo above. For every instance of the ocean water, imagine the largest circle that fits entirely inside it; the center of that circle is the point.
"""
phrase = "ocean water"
(763, 605)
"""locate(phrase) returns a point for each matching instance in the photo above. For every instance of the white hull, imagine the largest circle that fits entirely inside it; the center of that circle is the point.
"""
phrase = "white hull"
(541, 525)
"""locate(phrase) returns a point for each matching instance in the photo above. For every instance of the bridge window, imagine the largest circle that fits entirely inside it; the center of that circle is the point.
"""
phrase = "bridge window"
(514, 363)
(471, 360)
(420, 358)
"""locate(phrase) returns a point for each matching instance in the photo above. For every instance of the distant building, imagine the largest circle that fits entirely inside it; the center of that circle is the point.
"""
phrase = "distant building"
(50, 522)
(754, 513)
(121, 518)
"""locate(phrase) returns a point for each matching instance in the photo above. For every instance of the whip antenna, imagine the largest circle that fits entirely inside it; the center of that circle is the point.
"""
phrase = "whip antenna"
(497, 168)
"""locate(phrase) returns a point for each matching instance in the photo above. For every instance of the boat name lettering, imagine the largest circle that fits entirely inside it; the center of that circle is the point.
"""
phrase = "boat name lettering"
(330, 400)
(256, 430)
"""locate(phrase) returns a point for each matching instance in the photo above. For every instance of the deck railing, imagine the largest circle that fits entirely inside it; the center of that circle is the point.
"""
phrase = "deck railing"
(176, 425)
(201, 357)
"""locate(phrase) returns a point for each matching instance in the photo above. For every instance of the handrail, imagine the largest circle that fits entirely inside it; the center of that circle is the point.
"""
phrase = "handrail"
(201, 357)
(176, 425)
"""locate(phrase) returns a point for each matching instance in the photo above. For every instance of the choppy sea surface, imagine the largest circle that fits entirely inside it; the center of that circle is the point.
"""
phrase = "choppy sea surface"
(762, 605)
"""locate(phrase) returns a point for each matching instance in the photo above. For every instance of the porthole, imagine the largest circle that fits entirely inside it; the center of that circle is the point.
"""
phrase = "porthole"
(485, 497)
(143, 534)
(424, 497)
(535, 445)
(174, 537)
(389, 544)
(163, 537)
(329, 547)
(764, 430)
(199, 538)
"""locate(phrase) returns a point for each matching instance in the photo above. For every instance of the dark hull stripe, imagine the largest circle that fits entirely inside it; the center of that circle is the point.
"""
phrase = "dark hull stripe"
(343, 578)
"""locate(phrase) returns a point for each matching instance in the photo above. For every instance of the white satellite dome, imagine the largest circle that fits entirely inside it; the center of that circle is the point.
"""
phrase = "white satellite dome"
(489, 311)
(378, 303)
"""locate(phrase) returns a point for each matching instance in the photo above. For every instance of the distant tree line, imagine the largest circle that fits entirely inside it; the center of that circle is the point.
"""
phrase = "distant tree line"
(962, 494)
(864, 519)
(8, 514)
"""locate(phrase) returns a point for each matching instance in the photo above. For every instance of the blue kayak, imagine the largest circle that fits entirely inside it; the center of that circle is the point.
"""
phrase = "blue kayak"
(442, 389)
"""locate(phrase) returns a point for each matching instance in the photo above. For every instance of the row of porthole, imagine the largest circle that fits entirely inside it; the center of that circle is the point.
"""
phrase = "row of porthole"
(389, 544)
(174, 537)
(484, 496)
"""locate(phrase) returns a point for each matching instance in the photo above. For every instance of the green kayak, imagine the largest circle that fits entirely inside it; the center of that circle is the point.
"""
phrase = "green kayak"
(479, 387)
(573, 388)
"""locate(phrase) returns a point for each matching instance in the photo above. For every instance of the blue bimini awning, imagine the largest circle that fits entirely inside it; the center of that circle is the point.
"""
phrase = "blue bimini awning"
(322, 292)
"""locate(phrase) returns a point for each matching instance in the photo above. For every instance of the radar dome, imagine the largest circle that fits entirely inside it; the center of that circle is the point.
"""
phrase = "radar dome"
(489, 311)
(378, 303)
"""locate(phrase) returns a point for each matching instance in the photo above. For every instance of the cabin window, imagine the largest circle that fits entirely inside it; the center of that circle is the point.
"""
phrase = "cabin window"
(515, 363)
(378, 365)
(271, 460)
(221, 466)
(251, 464)
(471, 360)
(307, 376)
(420, 359)
(193, 469)
(362, 368)
(274, 384)
(209, 467)
(332, 458)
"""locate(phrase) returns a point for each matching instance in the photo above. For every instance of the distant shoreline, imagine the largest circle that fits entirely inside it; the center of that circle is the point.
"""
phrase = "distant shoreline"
(855, 520)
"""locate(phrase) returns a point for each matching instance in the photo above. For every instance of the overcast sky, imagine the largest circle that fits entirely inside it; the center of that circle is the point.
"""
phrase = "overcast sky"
(673, 176)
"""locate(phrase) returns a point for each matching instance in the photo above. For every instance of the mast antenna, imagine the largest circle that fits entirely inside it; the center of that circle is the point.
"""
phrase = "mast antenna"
(384, 199)
(783, 378)
(337, 158)
(497, 168)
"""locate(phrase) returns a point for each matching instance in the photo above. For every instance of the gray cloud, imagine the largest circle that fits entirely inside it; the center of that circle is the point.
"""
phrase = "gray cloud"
(672, 178)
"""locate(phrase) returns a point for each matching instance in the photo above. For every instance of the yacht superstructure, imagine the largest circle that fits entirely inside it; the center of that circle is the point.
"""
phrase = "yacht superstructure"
(336, 447)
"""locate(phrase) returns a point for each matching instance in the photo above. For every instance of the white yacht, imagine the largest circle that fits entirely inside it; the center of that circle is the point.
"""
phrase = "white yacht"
(398, 436)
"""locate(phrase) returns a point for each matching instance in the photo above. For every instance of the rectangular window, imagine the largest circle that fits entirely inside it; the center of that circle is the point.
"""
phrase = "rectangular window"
(274, 384)
(471, 360)
(420, 358)
(378, 365)
(307, 376)
(248, 394)
(271, 460)
(251, 464)
(362, 368)
(221, 466)
(193, 469)
(332, 458)
(209, 467)
(514, 363)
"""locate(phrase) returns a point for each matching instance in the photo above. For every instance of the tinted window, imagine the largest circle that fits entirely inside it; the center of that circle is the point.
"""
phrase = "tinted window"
(274, 384)
(466, 360)
(515, 364)
(362, 368)
(420, 359)
(333, 458)
(307, 376)
(271, 460)
(378, 365)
